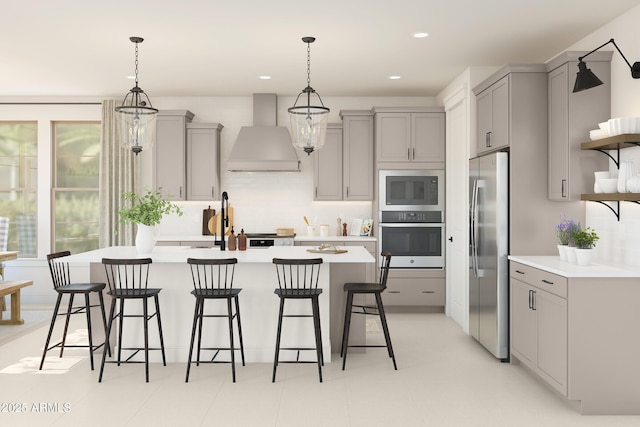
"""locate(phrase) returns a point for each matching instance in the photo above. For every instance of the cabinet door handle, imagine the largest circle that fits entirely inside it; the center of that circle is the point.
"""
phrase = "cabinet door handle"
(533, 300)
(488, 139)
(547, 282)
(181, 191)
(564, 188)
(408, 153)
(519, 272)
(414, 153)
(213, 191)
(393, 292)
(530, 299)
(347, 191)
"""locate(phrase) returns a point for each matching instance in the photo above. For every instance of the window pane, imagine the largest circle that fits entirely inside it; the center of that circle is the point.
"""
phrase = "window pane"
(76, 228)
(75, 204)
(18, 184)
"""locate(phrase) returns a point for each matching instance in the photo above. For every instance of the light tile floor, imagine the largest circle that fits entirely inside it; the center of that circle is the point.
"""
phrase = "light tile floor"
(444, 379)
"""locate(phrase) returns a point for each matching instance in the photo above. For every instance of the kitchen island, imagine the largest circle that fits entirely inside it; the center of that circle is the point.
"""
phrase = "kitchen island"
(576, 328)
(256, 275)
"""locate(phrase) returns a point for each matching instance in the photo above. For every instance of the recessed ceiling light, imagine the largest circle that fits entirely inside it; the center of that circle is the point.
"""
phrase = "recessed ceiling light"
(420, 35)
(395, 77)
(265, 77)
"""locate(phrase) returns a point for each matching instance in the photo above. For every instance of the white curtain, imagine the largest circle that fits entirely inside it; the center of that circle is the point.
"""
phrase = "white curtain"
(118, 174)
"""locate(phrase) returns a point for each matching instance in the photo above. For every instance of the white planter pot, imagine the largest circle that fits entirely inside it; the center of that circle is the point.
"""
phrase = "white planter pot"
(562, 250)
(571, 254)
(145, 238)
(583, 256)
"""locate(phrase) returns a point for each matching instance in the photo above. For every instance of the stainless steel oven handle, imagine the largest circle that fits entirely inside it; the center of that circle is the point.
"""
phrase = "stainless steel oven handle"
(412, 224)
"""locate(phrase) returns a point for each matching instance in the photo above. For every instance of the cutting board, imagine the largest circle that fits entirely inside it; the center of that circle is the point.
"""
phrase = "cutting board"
(215, 223)
(207, 214)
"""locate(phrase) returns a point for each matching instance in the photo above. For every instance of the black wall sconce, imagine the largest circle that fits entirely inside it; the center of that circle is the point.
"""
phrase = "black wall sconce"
(585, 79)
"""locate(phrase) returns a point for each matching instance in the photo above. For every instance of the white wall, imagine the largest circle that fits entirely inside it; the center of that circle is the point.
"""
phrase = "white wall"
(619, 241)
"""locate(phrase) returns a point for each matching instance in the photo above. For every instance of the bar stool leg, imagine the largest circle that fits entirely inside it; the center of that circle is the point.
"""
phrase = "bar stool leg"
(193, 337)
(316, 322)
(146, 338)
(385, 328)
(104, 322)
(121, 322)
(157, 301)
(347, 327)
(88, 310)
(66, 323)
(233, 355)
(277, 355)
(53, 322)
(200, 320)
(239, 329)
(106, 339)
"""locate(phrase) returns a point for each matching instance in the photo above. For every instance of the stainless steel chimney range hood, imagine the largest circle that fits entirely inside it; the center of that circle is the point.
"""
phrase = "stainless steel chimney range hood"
(263, 147)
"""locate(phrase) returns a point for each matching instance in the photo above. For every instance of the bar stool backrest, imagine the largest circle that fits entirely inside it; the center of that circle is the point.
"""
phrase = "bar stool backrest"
(384, 269)
(127, 274)
(209, 274)
(298, 273)
(59, 269)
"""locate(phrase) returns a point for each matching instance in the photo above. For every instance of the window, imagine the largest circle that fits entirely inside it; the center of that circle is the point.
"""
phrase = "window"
(18, 184)
(76, 163)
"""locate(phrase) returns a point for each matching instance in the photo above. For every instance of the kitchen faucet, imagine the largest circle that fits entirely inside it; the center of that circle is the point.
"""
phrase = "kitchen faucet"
(224, 218)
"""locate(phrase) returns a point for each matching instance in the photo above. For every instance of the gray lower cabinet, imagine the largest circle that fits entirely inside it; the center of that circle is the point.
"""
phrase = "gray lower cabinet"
(203, 161)
(169, 162)
(571, 117)
(539, 323)
(415, 288)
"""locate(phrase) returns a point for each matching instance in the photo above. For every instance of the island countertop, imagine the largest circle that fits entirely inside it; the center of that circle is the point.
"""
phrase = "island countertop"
(179, 254)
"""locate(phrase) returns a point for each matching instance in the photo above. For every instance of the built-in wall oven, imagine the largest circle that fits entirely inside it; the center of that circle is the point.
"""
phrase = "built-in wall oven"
(411, 217)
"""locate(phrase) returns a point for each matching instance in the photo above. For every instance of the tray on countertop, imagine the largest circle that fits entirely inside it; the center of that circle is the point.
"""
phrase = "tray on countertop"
(327, 248)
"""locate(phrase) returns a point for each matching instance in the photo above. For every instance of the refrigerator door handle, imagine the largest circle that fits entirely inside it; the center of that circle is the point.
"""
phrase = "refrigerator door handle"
(472, 218)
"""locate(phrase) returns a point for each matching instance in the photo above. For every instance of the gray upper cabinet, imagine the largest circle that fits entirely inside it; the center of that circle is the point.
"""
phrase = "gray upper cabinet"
(327, 166)
(203, 161)
(169, 153)
(410, 135)
(571, 116)
(493, 117)
(357, 139)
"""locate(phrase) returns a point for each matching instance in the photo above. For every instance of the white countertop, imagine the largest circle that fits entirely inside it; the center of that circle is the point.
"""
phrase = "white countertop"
(179, 254)
(201, 238)
(552, 264)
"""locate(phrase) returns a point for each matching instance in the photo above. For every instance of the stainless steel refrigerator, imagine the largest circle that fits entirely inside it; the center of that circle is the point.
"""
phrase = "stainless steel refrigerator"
(488, 251)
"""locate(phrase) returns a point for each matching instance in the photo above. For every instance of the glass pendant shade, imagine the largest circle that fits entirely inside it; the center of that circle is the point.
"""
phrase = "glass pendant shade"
(136, 116)
(308, 126)
(308, 122)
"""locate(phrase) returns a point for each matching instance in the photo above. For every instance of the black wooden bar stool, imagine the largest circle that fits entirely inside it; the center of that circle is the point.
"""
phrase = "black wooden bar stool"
(213, 280)
(127, 280)
(368, 288)
(298, 279)
(61, 279)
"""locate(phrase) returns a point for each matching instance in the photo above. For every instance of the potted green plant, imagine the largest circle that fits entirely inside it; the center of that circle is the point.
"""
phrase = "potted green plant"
(585, 241)
(146, 212)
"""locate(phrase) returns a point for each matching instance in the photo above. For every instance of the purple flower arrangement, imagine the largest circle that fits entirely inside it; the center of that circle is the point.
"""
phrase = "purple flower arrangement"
(565, 230)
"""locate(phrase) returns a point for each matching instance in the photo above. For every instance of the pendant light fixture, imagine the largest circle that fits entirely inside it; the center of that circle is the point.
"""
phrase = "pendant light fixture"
(308, 122)
(136, 115)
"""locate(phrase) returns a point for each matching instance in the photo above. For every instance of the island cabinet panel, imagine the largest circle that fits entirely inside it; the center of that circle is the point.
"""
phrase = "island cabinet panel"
(169, 162)
(576, 328)
(571, 117)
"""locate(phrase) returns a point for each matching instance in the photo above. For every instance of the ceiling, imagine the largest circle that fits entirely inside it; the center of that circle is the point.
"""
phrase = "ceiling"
(220, 48)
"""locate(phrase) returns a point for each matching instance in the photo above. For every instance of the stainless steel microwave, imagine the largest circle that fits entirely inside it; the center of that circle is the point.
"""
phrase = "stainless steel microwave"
(415, 190)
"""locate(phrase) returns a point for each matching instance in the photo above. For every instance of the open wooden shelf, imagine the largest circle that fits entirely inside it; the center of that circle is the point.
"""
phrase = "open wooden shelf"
(626, 140)
(611, 197)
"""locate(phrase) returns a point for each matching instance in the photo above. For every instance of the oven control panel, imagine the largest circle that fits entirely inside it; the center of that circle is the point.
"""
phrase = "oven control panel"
(410, 216)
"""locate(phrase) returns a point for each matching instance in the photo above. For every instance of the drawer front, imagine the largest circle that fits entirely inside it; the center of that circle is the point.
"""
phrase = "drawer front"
(412, 292)
(541, 279)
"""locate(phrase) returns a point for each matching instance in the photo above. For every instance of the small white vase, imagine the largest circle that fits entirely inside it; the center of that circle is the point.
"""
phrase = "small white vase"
(583, 256)
(145, 238)
(562, 250)
(571, 254)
